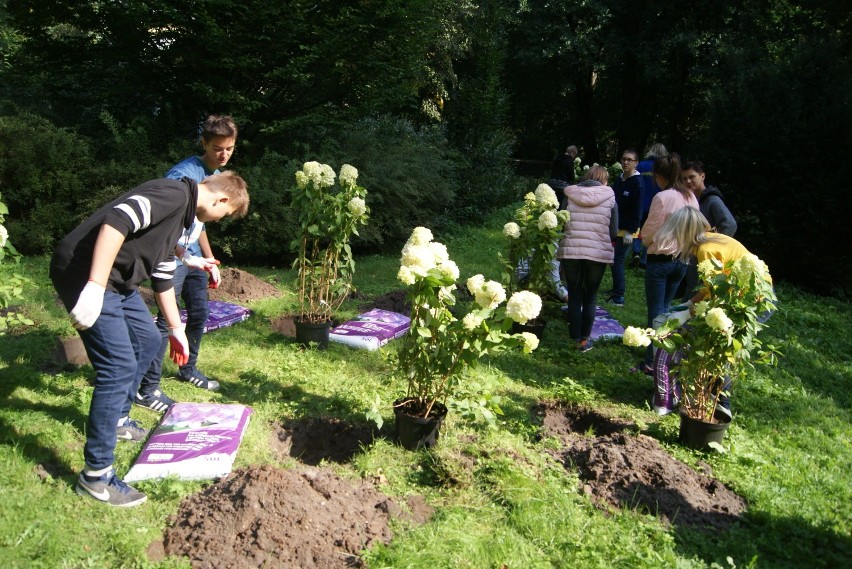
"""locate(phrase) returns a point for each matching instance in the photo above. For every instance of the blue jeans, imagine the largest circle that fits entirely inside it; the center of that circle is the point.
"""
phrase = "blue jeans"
(621, 250)
(661, 281)
(583, 278)
(191, 287)
(121, 345)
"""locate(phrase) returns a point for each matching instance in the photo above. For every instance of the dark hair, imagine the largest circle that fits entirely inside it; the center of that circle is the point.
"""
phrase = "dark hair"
(668, 168)
(218, 125)
(694, 165)
(632, 151)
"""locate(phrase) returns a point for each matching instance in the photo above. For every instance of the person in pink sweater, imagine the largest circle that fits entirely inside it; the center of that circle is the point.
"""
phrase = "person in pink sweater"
(663, 273)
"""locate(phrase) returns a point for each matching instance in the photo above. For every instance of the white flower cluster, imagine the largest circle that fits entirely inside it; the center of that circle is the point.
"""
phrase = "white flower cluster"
(348, 175)
(547, 220)
(320, 174)
(709, 267)
(523, 306)
(530, 341)
(4, 236)
(530, 197)
(718, 320)
(747, 266)
(356, 205)
(545, 195)
(512, 230)
(488, 294)
(637, 337)
(471, 321)
(420, 255)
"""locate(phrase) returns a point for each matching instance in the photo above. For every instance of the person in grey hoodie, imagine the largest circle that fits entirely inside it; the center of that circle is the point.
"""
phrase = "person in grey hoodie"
(586, 249)
(713, 207)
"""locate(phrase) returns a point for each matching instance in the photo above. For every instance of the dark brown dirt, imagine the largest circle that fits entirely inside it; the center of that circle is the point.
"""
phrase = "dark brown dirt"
(633, 471)
(239, 286)
(284, 325)
(276, 518)
(394, 301)
(312, 440)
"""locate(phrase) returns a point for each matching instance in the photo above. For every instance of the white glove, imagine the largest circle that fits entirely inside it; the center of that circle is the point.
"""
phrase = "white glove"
(628, 238)
(681, 316)
(88, 307)
(178, 346)
(193, 262)
(213, 269)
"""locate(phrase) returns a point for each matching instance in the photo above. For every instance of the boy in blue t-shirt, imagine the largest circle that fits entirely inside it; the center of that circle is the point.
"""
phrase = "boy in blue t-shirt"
(197, 268)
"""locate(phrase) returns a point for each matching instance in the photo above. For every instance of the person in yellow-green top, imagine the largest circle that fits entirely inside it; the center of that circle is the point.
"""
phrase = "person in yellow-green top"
(687, 233)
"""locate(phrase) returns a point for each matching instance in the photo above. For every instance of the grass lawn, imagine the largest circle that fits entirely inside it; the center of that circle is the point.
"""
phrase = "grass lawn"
(789, 447)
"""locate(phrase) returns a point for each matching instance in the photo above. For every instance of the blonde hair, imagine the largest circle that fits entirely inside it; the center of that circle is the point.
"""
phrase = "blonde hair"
(596, 173)
(682, 233)
(233, 186)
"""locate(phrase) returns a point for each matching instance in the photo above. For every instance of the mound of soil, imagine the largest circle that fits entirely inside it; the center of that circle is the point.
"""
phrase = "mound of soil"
(312, 440)
(271, 517)
(634, 471)
(239, 286)
(394, 301)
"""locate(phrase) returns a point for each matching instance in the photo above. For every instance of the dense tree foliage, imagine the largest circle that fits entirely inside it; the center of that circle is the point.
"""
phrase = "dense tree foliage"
(431, 99)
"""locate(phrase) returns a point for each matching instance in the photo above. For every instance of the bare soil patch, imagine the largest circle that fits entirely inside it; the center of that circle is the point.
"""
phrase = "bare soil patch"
(271, 517)
(633, 471)
(284, 325)
(394, 301)
(312, 440)
(239, 286)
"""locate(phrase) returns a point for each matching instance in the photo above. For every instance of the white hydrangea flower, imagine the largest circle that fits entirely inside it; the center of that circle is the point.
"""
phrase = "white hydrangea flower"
(577, 160)
(348, 175)
(563, 216)
(420, 236)
(326, 176)
(471, 321)
(635, 337)
(446, 293)
(617, 166)
(530, 341)
(440, 251)
(547, 220)
(523, 306)
(586, 168)
(301, 180)
(490, 295)
(357, 206)
(406, 276)
(475, 283)
(418, 258)
(707, 268)
(449, 269)
(530, 197)
(4, 236)
(512, 230)
(718, 320)
(701, 308)
(545, 195)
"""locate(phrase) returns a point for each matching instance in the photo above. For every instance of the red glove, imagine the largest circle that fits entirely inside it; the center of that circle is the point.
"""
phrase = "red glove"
(178, 346)
(214, 278)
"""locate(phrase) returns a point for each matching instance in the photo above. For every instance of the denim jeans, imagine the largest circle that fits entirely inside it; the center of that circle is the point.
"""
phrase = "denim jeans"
(121, 345)
(621, 250)
(583, 278)
(191, 287)
(661, 281)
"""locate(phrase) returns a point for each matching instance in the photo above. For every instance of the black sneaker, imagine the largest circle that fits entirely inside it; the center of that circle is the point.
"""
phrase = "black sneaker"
(109, 489)
(198, 379)
(131, 431)
(157, 401)
(616, 300)
(584, 345)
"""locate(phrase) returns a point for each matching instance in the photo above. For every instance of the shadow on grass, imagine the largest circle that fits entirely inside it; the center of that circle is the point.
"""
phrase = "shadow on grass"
(23, 354)
(775, 542)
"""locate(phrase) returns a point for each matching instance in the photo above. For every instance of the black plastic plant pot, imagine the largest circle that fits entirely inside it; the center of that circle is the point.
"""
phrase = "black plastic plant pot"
(307, 332)
(413, 431)
(697, 434)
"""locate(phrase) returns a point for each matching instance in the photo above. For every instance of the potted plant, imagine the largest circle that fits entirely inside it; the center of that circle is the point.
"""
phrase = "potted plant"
(439, 347)
(533, 235)
(720, 345)
(328, 216)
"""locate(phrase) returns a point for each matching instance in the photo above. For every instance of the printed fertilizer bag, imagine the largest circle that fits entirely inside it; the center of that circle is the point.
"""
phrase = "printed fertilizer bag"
(371, 330)
(194, 441)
